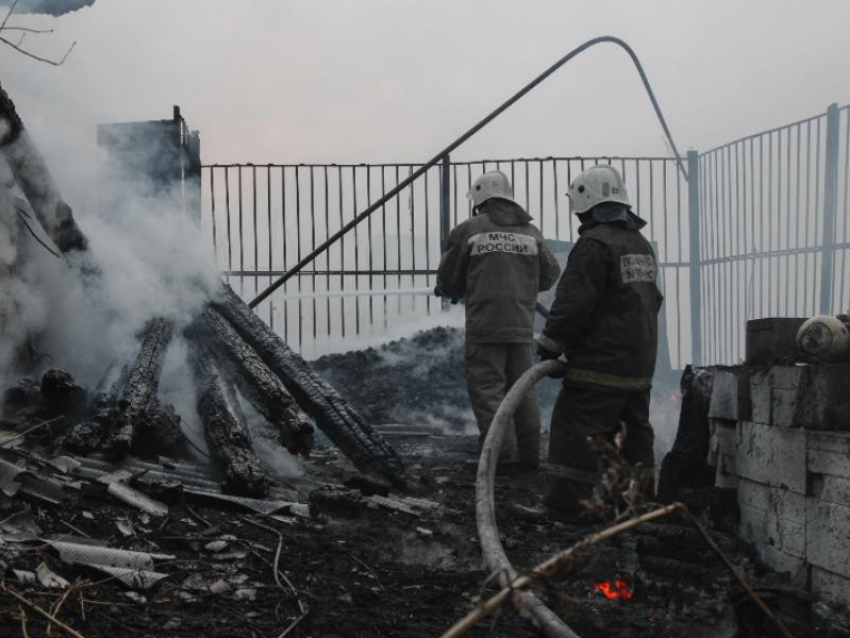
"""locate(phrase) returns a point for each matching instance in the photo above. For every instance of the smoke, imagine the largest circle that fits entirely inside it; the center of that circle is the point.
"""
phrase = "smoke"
(84, 312)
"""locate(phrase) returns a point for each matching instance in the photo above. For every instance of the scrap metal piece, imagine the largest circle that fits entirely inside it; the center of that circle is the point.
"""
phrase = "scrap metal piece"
(9, 473)
(20, 526)
(368, 450)
(86, 554)
(50, 579)
(135, 578)
(118, 488)
(14, 479)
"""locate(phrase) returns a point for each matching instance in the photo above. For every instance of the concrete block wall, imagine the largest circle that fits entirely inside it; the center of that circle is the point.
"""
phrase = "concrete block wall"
(781, 436)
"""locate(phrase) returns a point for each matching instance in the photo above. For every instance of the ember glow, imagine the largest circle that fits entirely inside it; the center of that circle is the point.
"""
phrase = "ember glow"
(616, 590)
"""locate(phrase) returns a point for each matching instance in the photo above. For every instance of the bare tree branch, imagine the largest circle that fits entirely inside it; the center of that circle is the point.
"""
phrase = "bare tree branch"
(17, 46)
(29, 54)
(8, 15)
(27, 29)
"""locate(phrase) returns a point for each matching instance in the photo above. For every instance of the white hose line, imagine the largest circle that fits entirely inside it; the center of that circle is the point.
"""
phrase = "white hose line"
(548, 623)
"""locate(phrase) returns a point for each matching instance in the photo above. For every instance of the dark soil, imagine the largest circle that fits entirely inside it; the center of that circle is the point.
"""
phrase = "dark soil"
(371, 574)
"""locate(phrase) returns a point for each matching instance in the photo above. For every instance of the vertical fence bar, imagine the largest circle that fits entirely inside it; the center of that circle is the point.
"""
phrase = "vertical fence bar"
(696, 284)
(445, 201)
(830, 202)
(445, 208)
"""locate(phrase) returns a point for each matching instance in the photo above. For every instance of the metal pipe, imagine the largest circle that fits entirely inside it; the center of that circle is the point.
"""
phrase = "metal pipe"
(489, 118)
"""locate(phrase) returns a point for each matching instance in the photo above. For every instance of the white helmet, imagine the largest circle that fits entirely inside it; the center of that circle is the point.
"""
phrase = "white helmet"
(490, 185)
(597, 184)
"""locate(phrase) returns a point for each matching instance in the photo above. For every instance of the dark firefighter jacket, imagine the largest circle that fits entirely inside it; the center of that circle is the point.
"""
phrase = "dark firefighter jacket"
(605, 313)
(498, 262)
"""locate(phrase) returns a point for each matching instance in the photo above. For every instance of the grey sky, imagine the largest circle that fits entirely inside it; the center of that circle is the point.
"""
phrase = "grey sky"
(387, 80)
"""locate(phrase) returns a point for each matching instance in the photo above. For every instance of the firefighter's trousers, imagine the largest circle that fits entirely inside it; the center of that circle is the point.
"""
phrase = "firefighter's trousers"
(579, 413)
(491, 370)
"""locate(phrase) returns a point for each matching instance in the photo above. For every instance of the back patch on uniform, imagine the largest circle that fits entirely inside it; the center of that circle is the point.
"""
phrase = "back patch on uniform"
(514, 243)
(637, 268)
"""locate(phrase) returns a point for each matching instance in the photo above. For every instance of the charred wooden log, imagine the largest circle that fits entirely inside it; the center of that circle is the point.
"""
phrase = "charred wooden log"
(35, 180)
(142, 383)
(259, 385)
(158, 432)
(225, 431)
(365, 447)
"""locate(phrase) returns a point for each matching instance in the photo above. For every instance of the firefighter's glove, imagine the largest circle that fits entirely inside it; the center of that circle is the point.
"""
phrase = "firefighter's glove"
(550, 355)
(439, 293)
(546, 354)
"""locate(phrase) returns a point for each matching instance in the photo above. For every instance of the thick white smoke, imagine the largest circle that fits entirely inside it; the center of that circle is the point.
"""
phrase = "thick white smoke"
(146, 259)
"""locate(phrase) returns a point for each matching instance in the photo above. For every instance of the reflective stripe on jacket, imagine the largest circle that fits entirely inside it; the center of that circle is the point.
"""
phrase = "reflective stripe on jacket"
(605, 313)
(497, 261)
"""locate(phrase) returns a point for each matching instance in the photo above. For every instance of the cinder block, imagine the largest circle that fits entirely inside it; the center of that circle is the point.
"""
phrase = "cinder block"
(760, 396)
(828, 536)
(824, 403)
(771, 455)
(726, 476)
(830, 586)
(730, 397)
(830, 489)
(783, 562)
(773, 517)
(829, 453)
(786, 383)
(722, 439)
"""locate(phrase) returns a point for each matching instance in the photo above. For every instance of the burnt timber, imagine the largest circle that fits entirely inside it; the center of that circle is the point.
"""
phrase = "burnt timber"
(257, 384)
(224, 428)
(366, 448)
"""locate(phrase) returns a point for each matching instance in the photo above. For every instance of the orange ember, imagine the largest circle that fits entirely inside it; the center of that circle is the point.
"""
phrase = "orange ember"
(619, 589)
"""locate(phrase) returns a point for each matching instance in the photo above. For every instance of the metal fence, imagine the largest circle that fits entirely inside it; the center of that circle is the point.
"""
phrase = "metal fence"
(760, 228)
(773, 210)
(261, 219)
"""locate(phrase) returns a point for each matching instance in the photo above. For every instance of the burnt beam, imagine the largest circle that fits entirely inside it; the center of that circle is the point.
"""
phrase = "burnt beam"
(365, 447)
(142, 383)
(257, 384)
(225, 430)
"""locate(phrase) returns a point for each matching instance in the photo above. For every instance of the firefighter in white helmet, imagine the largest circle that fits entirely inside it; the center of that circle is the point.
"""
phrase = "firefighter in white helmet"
(497, 262)
(604, 319)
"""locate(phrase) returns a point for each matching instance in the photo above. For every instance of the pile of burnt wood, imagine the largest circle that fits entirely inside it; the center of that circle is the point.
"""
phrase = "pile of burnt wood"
(230, 349)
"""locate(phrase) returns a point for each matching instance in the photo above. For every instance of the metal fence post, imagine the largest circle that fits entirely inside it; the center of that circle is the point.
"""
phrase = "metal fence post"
(445, 201)
(445, 208)
(830, 203)
(695, 258)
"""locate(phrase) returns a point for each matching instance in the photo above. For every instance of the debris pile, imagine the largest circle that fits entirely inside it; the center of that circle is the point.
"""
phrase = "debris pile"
(415, 380)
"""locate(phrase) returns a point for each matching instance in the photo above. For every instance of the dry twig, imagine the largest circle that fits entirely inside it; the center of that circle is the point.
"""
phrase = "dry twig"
(32, 428)
(44, 614)
(20, 49)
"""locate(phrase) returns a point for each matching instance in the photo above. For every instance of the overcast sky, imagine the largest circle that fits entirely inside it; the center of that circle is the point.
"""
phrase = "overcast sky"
(396, 80)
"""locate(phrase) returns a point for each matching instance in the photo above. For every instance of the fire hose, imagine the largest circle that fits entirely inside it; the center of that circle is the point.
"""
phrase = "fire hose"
(549, 624)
